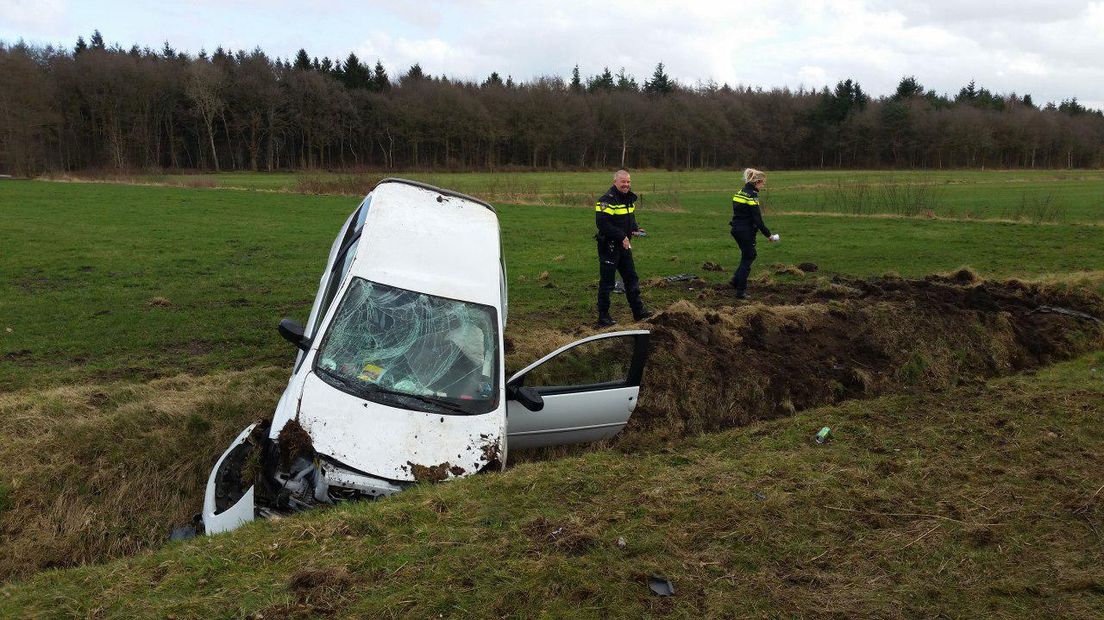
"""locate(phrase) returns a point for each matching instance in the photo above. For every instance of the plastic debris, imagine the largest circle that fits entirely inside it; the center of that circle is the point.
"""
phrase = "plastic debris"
(823, 435)
(621, 544)
(661, 585)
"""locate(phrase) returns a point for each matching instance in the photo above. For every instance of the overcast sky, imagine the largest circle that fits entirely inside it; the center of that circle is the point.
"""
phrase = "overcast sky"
(1052, 49)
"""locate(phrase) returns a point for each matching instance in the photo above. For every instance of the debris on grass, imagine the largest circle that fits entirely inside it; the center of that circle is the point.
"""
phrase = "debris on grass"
(660, 585)
(711, 266)
(543, 277)
(159, 302)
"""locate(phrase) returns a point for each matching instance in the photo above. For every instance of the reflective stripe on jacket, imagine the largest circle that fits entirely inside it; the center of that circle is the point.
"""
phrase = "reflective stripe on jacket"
(614, 215)
(746, 215)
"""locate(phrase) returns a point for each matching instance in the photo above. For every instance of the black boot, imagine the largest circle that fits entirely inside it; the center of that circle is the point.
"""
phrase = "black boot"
(642, 313)
(605, 320)
(742, 295)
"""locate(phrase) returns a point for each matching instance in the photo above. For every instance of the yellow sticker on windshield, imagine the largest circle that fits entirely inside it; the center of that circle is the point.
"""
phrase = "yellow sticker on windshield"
(370, 373)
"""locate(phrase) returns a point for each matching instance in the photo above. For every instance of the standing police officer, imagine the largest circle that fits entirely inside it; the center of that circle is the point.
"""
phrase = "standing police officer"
(613, 214)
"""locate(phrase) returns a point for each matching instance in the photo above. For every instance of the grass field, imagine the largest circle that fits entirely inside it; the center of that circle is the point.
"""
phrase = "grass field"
(112, 281)
(978, 499)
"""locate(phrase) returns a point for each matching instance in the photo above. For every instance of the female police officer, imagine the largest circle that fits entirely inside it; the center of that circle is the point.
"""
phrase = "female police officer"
(747, 219)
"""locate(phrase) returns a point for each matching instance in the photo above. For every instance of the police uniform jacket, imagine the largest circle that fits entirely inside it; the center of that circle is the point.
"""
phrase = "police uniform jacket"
(746, 215)
(614, 215)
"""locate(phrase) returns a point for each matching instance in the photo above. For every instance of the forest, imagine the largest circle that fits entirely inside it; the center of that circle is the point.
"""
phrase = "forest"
(98, 107)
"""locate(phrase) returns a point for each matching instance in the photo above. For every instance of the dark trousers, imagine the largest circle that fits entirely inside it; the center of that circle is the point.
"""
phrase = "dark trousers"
(746, 240)
(613, 259)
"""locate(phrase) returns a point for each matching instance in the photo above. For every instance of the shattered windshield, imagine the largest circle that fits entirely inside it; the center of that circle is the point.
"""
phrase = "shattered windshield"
(412, 350)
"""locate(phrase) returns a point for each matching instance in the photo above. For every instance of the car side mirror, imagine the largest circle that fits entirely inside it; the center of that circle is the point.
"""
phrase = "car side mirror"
(292, 331)
(527, 396)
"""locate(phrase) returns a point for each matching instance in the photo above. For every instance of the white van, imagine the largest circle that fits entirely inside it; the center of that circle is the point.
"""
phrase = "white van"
(401, 374)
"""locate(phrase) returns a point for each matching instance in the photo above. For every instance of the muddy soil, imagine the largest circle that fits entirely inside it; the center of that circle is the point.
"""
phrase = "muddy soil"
(718, 362)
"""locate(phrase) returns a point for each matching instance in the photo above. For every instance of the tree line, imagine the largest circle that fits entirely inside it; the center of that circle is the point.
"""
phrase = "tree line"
(104, 107)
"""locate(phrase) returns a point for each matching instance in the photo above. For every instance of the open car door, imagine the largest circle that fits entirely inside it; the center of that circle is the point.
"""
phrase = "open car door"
(588, 388)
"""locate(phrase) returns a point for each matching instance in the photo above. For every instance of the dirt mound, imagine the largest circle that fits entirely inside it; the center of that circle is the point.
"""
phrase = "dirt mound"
(820, 343)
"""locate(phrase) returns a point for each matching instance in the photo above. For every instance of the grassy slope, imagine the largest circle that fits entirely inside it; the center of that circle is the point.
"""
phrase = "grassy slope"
(83, 262)
(984, 500)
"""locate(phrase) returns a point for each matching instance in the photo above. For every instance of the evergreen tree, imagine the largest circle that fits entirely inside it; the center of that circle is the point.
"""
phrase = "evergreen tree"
(327, 66)
(600, 82)
(1071, 107)
(509, 81)
(968, 94)
(660, 84)
(413, 74)
(576, 81)
(493, 80)
(380, 81)
(97, 40)
(167, 52)
(908, 88)
(302, 61)
(81, 46)
(354, 74)
(626, 82)
(1027, 101)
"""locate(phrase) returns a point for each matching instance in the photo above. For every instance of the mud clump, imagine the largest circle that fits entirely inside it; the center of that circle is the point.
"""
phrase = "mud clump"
(710, 266)
(429, 473)
(294, 443)
(492, 454)
(816, 343)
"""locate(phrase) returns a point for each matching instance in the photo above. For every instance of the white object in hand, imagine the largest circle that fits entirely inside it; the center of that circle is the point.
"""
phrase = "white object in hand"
(775, 237)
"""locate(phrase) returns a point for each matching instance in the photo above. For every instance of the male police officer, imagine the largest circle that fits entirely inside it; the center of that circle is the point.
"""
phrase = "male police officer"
(614, 215)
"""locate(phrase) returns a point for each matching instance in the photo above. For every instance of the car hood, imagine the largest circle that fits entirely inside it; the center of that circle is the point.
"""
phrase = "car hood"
(396, 443)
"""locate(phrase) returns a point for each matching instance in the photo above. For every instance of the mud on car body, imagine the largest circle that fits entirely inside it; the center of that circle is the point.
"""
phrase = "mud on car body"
(400, 375)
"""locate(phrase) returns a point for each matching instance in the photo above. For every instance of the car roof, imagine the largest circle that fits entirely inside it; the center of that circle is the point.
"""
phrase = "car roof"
(422, 238)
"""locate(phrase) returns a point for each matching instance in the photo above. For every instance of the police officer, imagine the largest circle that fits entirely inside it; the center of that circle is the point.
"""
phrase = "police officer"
(747, 219)
(614, 216)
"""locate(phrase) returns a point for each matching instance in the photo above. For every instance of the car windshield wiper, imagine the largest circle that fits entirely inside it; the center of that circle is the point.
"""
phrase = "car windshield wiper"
(375, 388)
(431, 400)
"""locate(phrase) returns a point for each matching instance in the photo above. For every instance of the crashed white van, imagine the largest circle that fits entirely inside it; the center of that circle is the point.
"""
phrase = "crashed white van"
(401, 376)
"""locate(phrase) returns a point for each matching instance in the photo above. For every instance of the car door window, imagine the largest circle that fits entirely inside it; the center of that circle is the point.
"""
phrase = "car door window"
(602, 362)
(341, 268)
(598, 363)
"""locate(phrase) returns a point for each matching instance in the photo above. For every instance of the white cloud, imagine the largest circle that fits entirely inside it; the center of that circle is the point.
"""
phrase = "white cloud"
(1049, 48)
(32, 16)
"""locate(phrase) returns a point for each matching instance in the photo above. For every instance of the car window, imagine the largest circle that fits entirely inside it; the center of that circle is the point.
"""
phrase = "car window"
(362, 213)
(595, 363)
(341, 268)
(386, 343)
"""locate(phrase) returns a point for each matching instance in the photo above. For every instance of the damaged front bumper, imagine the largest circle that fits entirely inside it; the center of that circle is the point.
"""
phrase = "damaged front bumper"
(251, 481)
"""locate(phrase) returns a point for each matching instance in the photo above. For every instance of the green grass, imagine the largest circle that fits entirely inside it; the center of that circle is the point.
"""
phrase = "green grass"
(984, 500)
(976, 501)
(113, 281)
(1070, 195)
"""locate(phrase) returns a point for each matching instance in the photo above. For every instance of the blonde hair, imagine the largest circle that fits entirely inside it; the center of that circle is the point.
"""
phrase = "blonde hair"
(752, 175)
